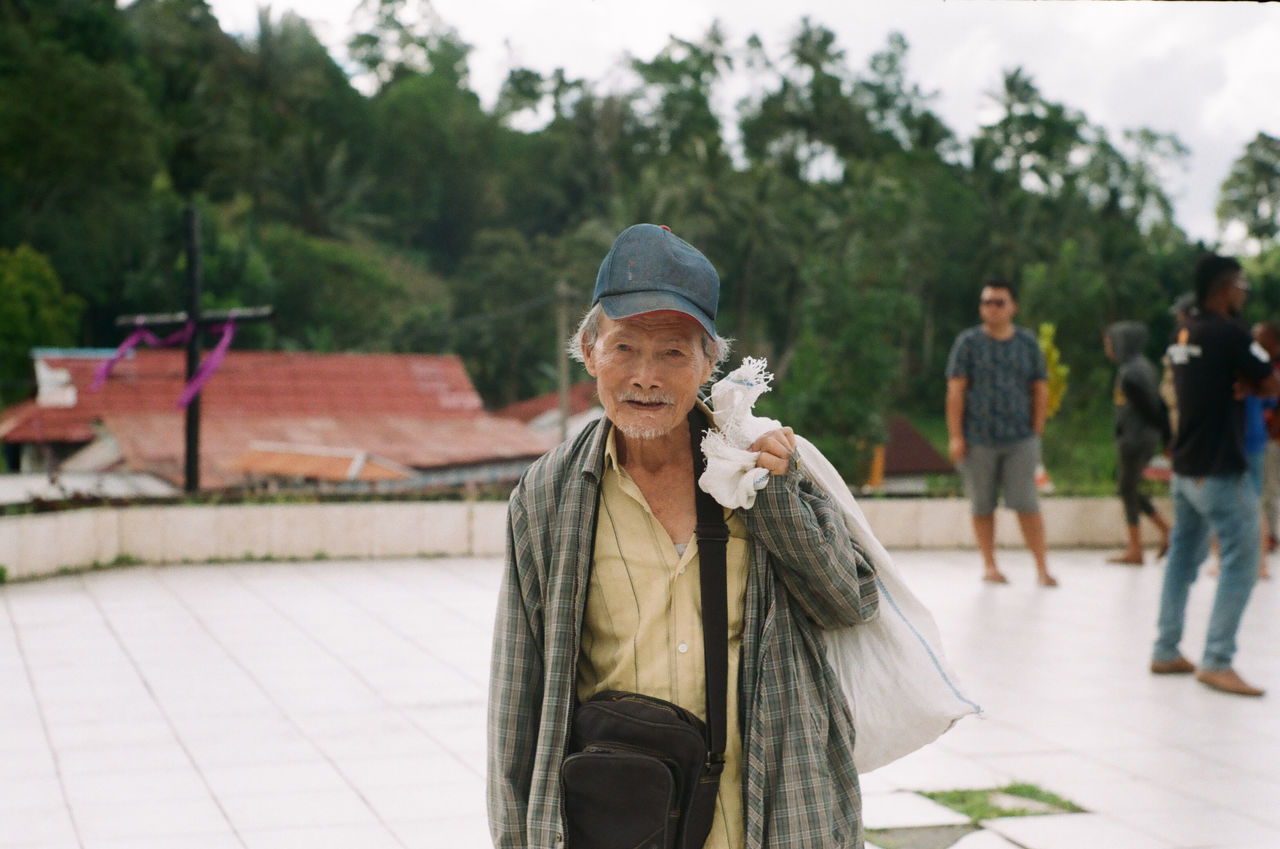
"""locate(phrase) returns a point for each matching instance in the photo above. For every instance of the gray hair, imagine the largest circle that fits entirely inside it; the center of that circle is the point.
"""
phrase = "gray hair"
(716, 350)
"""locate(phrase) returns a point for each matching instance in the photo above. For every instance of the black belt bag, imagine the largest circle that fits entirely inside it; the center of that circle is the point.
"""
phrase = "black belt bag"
(644, 773)
(640, 776)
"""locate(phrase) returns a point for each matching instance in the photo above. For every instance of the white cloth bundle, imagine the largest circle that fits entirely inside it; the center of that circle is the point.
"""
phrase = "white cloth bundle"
(900, 688)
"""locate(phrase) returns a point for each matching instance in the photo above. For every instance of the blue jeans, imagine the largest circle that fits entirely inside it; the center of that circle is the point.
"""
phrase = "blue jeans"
(1227, 506)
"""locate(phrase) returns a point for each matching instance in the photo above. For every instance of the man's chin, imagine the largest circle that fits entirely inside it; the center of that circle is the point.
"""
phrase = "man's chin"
(642, 431)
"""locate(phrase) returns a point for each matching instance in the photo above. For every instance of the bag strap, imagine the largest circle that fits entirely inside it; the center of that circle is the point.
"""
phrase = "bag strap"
(713, 539)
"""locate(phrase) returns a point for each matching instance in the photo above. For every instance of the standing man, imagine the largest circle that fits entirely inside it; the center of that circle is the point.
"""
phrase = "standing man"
(601, 584)
(1142, 426)
(997, 397)
(1215, 362)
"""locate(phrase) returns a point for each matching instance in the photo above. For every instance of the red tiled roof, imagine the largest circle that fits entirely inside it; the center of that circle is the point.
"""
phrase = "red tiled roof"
(416, 410)
(260, 383)
(908, 453)
(582, 397)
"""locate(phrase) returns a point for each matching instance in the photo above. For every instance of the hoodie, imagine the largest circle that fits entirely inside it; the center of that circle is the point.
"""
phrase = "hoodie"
(1141, 415)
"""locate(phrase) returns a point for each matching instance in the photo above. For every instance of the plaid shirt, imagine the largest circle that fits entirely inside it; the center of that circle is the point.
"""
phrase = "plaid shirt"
(800, 787)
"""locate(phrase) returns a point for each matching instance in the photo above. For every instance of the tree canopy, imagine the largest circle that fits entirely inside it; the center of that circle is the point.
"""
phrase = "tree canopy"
(851, 227)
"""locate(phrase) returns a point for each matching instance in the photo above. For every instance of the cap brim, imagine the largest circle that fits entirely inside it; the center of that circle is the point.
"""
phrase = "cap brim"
(638, 303)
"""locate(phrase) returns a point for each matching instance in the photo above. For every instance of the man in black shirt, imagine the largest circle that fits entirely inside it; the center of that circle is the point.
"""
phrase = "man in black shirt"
(1215, 362)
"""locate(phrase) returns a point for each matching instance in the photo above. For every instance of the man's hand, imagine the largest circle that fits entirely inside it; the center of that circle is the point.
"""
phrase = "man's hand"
(957, 448)
(776, 448)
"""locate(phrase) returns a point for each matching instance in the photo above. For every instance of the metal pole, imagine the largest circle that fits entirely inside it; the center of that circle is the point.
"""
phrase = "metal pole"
(562, 338)
(192, 460)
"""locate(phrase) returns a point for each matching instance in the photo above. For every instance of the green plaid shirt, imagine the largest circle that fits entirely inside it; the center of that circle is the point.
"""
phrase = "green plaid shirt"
(800, 787)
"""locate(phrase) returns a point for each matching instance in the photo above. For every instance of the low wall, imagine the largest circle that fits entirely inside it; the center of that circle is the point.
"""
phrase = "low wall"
(47, 543)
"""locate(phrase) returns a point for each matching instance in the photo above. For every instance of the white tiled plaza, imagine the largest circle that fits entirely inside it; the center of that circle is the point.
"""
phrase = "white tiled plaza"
(340, 705)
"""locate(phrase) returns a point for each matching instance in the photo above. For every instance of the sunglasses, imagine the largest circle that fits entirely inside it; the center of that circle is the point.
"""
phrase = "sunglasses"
(993, 302)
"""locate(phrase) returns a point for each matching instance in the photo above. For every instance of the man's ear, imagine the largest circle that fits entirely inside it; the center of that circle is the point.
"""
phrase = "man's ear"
(708, 366)
(588, 357)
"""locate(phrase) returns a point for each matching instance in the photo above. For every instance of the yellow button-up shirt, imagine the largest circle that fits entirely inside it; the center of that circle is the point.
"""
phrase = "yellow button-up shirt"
(643, 626)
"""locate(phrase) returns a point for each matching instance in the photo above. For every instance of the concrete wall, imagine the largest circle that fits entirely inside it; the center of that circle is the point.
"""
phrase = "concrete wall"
(44, 544)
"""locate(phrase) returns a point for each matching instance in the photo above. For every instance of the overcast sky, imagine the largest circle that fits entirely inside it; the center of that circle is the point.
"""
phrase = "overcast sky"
(1207, 71)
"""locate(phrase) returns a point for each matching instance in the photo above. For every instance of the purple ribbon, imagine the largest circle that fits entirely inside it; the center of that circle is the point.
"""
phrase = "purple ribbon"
(144, 336)
(210, 364)
(141, 335)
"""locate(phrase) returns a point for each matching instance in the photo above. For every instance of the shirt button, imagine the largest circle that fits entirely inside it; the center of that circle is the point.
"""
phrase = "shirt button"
(682, 568)
(682, 648)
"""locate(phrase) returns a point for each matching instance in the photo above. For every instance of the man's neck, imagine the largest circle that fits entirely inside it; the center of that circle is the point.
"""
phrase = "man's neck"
(1218, 308)
(999, 332)
(654, 455)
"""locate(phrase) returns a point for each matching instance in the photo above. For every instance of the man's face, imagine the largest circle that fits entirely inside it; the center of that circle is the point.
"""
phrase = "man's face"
(648, 369)
(1237, 292)
(996, 306)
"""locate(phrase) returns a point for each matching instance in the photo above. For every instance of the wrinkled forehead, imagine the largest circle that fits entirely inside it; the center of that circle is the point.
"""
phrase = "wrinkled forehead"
(661, 326)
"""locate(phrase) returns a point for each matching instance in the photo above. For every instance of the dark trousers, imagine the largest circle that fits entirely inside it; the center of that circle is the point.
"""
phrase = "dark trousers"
(1133, 459)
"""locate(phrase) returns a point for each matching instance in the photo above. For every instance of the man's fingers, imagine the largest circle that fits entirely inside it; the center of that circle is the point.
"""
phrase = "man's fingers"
(775, 449)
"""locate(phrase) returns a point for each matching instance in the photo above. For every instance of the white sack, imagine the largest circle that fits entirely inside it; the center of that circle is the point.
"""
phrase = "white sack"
(901, 691)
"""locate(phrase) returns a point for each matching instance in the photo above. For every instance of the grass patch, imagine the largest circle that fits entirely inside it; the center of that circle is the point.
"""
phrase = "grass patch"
(980, 805)
(1034, 793)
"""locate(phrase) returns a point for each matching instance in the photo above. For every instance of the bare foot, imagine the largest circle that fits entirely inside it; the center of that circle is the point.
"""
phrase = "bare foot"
(1128, 558)
(1264, 574)
(994, 576)
(1047, 580)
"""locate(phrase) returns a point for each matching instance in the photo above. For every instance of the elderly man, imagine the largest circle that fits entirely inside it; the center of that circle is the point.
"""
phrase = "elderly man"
(601, 590)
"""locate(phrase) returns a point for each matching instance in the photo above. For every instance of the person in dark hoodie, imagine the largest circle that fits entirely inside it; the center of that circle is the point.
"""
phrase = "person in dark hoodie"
(1142, 426)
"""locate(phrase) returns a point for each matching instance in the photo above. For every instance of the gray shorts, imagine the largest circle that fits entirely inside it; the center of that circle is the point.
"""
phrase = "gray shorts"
(1009, 468)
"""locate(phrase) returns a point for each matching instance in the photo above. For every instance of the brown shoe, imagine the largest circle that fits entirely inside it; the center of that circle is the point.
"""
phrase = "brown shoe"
(1227, 681)
(1178, 666)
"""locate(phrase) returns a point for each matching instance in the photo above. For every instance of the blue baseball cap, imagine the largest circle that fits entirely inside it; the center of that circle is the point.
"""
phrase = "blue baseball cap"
(650, 269)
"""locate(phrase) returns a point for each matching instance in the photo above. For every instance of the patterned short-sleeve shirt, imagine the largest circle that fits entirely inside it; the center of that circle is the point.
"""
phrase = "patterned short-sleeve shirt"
(997, 403)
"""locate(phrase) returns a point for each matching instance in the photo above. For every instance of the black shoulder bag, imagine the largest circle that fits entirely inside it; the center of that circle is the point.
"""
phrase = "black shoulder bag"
(643, 773)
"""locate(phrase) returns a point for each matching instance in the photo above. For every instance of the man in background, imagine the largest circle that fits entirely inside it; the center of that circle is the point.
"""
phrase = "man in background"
(997, 398)
(1215, 361)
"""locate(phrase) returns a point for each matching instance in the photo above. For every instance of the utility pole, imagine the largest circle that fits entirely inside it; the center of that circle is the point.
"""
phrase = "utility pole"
(563, 294)
(198, 322)
(191, 465)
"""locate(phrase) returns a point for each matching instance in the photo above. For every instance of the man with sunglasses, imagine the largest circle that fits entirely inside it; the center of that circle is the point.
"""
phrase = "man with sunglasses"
(997, 397)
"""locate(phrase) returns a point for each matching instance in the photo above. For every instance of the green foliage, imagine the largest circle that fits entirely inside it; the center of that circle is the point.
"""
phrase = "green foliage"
(1251, 192)
(431, 164)
(837, 383)
(1056, 369)
(852, 228)
(34, 312)
(328, 295)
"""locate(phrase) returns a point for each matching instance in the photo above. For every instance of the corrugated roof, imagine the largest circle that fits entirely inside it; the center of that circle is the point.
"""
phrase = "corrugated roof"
(414, 409)
(318, 463)
(261, 383)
